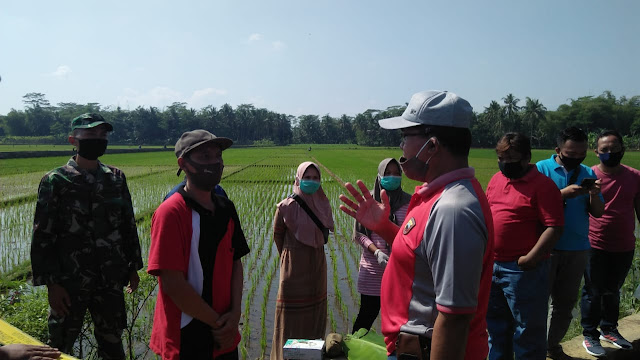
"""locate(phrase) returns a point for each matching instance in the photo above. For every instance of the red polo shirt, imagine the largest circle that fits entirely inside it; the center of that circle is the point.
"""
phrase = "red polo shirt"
(522, 208)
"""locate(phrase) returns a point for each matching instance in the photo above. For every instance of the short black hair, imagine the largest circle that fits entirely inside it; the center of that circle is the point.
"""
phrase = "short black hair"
(455, 139)
(610, 133)
(571, 133)
(516, 141)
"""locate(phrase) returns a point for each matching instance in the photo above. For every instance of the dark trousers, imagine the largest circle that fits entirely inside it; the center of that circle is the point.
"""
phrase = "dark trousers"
(196, 343)
(107, 310)
(369, 309)
(603, 279)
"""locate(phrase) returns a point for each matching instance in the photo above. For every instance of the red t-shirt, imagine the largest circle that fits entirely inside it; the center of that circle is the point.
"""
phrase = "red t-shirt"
(522, 208)
(175, 233)
(614, 231)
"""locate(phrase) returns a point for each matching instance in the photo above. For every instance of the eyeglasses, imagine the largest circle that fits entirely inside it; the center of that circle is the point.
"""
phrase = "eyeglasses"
(405, 136)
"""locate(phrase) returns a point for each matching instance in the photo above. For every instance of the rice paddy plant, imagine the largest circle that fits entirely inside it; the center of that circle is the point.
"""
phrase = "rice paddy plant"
(345, 260)
(243, 350)
(336, 278)
(19, 185)
(254, 282)
(332, 321)
(265, 299)
(16, 223)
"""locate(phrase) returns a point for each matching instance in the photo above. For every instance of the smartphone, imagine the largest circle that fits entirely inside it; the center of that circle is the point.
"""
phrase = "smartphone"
(588, 183)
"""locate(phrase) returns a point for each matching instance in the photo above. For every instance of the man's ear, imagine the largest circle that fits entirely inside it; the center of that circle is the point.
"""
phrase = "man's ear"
(72, 140)
(181, 163)
(433, 145)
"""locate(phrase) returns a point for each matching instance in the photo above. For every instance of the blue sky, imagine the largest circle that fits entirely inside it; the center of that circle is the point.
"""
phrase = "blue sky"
(315, 57)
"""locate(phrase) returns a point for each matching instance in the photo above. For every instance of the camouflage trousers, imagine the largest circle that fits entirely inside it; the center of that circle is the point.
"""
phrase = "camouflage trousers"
(107, 310)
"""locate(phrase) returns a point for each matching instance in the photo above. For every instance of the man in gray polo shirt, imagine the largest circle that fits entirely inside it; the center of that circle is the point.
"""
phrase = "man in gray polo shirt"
(435, 288)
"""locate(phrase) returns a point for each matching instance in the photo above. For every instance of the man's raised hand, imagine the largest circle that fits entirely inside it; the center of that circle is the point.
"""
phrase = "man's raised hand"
(366, 210)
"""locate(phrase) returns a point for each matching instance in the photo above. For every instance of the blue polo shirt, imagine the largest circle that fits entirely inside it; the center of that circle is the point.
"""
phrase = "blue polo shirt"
(576, 212)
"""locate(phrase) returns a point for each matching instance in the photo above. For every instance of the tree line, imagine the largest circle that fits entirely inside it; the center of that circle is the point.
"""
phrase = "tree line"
(246, 124)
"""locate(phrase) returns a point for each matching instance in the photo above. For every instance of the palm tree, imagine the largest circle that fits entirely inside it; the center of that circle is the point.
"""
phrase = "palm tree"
(511, 109)
(534, 112)
(494, 114)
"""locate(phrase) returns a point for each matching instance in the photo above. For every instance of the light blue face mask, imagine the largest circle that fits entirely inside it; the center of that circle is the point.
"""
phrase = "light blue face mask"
(309, 186)
(390, 182)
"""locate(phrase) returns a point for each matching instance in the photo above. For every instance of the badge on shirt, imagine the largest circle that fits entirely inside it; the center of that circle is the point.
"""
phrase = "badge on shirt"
(408, 226)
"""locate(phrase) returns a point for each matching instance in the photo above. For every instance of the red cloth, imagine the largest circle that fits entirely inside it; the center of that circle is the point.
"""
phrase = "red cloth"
(614, 231)
(521, 209)
(171, 231)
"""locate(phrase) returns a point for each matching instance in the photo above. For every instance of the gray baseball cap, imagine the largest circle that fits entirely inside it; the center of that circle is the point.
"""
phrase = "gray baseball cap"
(192, 139)
(432, 107)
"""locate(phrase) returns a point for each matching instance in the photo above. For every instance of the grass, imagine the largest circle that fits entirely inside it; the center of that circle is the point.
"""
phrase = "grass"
(65, 147)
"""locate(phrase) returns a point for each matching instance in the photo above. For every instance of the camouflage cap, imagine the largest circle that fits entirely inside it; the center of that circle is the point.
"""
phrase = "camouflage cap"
(88, 121)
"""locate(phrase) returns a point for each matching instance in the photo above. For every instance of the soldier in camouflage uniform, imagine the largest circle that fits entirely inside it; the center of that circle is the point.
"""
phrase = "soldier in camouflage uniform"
(85, 245)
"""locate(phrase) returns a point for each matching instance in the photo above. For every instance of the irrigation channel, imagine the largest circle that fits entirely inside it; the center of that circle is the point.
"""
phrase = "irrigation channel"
(255, 187)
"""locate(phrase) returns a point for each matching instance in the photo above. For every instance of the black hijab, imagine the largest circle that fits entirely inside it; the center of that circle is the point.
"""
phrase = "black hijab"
(397, 198)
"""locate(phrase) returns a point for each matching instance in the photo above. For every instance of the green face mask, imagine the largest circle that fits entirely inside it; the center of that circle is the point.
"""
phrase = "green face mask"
(390, 182)
(309, 186)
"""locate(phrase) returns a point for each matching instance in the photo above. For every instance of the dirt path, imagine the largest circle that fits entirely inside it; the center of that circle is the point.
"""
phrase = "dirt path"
(326, 169)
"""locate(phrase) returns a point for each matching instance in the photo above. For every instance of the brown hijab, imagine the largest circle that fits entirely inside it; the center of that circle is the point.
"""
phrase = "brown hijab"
(397, 198)
(296, 219)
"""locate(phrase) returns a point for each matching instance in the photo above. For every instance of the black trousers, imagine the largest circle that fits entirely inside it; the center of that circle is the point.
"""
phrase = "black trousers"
(196, 343)
(369, 310)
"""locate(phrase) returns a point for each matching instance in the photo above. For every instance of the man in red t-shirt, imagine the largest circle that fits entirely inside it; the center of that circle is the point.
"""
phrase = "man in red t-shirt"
(196, 247)
(528, 217)
(612, 244)
(435, 287)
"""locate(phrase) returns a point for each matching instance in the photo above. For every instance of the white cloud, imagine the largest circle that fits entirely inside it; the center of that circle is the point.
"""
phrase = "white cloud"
(207, 91)
(203, 97)
(255, 37)
(278, 45)
(61, 72)
(161, 97)
(257, 101)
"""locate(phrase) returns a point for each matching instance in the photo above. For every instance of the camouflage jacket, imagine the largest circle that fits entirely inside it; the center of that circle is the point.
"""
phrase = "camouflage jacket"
(84, 230)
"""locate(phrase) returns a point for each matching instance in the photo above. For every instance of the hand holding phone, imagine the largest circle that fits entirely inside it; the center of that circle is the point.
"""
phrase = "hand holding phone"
(588, 183)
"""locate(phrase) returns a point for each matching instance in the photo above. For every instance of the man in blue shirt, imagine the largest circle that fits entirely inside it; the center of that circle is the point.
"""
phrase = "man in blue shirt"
(570, 254)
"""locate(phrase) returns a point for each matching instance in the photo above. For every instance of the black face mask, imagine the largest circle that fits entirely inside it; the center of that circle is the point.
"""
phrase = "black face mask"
(415, 168)
(512, 170)
(570, 163)
(206, 177)
(611, 159)
(92, 149)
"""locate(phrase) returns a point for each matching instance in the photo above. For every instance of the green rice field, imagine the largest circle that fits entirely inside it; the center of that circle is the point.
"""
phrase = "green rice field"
(64, 147)
(255, 179)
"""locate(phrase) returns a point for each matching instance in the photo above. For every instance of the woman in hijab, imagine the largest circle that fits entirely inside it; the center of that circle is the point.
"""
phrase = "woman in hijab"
(376, 251)
(301, 306)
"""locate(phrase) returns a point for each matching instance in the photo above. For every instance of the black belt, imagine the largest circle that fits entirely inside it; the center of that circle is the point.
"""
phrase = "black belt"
(413, 347)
